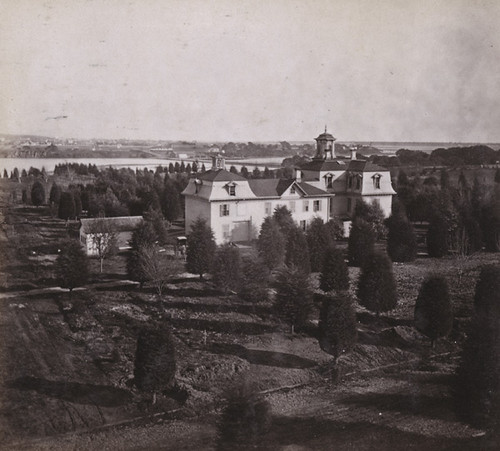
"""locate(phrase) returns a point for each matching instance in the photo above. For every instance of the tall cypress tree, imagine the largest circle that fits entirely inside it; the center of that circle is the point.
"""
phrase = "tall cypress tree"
(318, 241)
(334, 274)
(271, 243)
(200, 248)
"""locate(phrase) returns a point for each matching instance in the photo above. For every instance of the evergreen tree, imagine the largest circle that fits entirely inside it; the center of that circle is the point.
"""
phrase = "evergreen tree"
(245, 417)
(297, 253)
(195, 167)
(337, 333)
(170, 202)
(200, 248)
(171, 168)
(182, 167)
(487, 294)
(373, 215)
(271, 243)
(401, 239)
(294, 297)
(72, 267)
(444, 179)
(155, 361)
(143, 235)
(256, 174)
(318, 241)
(156, 219)
(437, 236)
(376, 286)
(227, 268)
(66, 206)
(233, 169)
(5, 174)
(433, 312)
(284, 219)
(24, 197)
(244, 172)
(361, 242)
(334, 274)
(37, 194)
(203, 169)
(78, 203)
(55, 194)
(254, 279)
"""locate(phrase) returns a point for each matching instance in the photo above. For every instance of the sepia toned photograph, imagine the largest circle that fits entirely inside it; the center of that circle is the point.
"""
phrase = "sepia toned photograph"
(249, 225)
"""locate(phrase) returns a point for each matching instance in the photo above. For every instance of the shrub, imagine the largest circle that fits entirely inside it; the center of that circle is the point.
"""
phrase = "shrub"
(226, 268)
(200, 248)
(334, 274)
(376, 286)
(433, 312)
(361, 242)
(294, 296)
(72, 267)
(254, 279)
(337, 324)
(297, 252)
(487, 294)
(245, 417)
(401, 239)
(437, 236)
(154, 366)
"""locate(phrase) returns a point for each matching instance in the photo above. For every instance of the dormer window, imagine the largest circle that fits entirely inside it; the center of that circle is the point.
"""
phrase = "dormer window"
(292, 189)
(329, 180)
(358, 182)
(231, 189)
(376, 181)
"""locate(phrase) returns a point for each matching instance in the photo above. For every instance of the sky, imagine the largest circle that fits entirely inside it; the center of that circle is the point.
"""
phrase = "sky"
(257, 70)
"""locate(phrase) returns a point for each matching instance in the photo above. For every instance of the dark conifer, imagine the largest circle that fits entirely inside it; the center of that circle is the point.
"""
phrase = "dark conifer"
(72, 267)
(318, 241)
(361, 242)
(401, 239)
(271, 243)
(297, 253)
(334, 274)
(200, 248)
(67, 206)
(254, 279)
(437, 236)
(227, 268)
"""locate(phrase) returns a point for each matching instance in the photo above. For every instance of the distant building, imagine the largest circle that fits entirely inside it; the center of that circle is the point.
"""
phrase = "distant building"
(325, 187)
(123, 226)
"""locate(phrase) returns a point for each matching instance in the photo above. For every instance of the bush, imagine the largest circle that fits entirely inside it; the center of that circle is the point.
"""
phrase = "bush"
(294, 296)
(376, 286)
(337, 324)
(245, 417)
(361, 242)
(154, 367)
(401, 239)
(72, 266)
(334, 274)
(437, 236)
(226, 268)
(254, 280)
(433, 312)
(487, 295)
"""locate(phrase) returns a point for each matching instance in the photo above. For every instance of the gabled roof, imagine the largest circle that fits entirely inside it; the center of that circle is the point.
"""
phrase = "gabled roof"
(269, 187)
(117, 224)
(220, 175)
(325, 165)
(365, 166)
(310, 190)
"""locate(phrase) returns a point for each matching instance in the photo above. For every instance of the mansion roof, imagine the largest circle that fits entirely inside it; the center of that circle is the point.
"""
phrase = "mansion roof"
(220, 175)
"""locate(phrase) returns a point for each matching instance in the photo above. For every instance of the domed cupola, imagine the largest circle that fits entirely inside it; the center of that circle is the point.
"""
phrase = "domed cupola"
(325, 146)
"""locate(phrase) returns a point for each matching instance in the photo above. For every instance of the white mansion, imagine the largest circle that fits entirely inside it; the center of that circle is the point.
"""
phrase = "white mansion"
(327, 186)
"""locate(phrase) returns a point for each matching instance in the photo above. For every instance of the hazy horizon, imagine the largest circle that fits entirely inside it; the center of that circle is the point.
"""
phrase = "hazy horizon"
(388, 71)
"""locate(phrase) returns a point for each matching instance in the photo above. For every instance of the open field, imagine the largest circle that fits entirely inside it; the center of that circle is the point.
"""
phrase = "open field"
(66, 372)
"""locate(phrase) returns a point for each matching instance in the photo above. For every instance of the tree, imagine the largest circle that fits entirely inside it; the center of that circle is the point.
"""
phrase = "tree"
(490, 224)
(5, 174)
(437, 236)
(318, 241)
(66, 206)
(487, 294)
(361, 241)
(200, 248)
(156, 219)
(337, 333)
(244, 172)
(24, 197)
(401, 239)
(376, 285)
(271, 243)
(294, 296)
(284, 219)
(170, 202)
(245, 417)
(155, 362)
(143, 235)
(37, 194)
(226, 268)
(476, 388)
(373, 215)
(334, 273)
(72, 267)
(78, 203)
(254, 279)
(433, 312)
(55, 194)
(297, 253)
(157, 266)
(104, 239)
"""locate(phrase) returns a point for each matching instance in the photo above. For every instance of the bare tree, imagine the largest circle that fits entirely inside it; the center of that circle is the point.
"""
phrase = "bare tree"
(158, 267)
(104, 239)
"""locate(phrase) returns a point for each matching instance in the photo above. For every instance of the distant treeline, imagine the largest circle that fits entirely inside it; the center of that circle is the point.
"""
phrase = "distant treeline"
(454, 156)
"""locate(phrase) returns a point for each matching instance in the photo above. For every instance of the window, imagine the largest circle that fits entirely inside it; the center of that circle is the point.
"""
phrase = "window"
(232, 190)
(317, 205)
(349, 204)
(224, 210)
(303, 225)
(358, 182)
(329, 181)
(292, 206)
(376, 181)
(306, 205)
(292, 189)
(267, 207)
